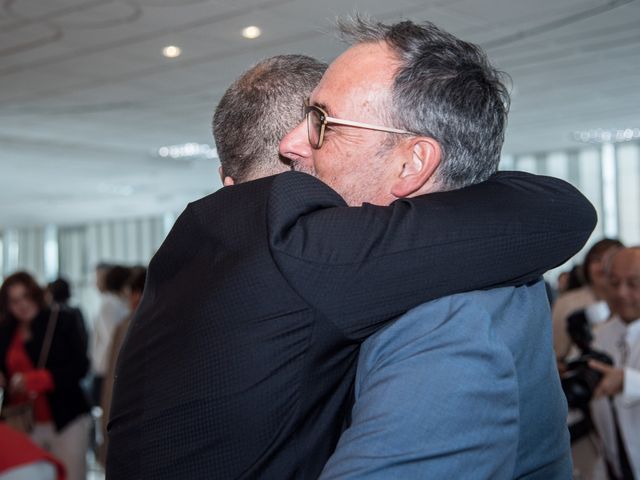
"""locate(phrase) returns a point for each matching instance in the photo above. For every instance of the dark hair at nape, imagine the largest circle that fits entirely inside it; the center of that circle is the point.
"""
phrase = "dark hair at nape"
(137, 279)
(60, 290)
(116, 278)
(260, 108)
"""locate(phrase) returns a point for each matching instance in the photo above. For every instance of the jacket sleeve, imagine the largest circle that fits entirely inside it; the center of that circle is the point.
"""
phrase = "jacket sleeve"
(361, 267)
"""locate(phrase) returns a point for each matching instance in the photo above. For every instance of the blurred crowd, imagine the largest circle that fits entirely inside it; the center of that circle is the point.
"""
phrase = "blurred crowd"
(596, 332)
(55, 377)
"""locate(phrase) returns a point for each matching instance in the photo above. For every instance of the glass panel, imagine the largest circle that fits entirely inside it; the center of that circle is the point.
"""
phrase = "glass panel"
(629, 193)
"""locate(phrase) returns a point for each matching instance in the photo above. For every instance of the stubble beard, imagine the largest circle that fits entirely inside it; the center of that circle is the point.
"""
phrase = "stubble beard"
(355, 193)
(299, 167)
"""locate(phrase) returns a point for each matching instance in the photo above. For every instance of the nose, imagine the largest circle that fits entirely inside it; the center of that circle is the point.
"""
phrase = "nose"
(622, 290)
(295, 144)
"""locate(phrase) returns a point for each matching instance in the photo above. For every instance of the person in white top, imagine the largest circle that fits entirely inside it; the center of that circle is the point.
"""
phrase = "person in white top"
(586, 303)
(591, 298)
(113, 310)
(620, 338)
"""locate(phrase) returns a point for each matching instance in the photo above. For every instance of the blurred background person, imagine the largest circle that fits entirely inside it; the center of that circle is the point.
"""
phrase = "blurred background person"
(110, 281)
(59, 292)
(590, 298)
(133, 292)
(42, 361)
(101, 271)
(562, 282)
(574, 316)
(21, 459)
(570, 280)
(617, 406)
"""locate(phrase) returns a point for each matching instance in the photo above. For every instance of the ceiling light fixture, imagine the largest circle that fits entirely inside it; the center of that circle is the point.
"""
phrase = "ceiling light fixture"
(188, 151)
(251, 32)
(171, 51)
(601, 135)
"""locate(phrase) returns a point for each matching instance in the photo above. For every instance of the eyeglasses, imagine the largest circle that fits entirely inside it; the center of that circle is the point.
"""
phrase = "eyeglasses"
(317, 120)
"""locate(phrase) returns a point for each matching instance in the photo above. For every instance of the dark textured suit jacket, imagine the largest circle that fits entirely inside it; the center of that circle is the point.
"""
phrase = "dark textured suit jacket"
(241, 357)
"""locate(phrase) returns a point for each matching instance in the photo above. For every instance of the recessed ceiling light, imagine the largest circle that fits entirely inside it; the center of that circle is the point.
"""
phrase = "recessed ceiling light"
(251, 32)
(171, 51)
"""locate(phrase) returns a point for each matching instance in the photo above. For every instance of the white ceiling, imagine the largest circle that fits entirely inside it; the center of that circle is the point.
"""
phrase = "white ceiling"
(86, 96)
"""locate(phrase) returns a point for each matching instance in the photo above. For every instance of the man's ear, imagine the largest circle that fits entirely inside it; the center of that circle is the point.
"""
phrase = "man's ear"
(422, 156)
(226, 180)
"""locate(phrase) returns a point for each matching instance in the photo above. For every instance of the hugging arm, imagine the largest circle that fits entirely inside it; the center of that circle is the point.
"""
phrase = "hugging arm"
(363, 266)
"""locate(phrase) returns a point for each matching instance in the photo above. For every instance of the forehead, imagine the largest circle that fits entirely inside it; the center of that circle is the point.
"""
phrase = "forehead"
(17, 290)
(359, 79)
(626, 264)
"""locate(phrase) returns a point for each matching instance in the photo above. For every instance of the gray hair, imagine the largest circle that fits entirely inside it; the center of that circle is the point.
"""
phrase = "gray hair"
(445, 89)
(260, 108)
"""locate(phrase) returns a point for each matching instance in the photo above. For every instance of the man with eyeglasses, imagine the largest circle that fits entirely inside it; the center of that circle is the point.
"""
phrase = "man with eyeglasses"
(407, 111)
(240, 360)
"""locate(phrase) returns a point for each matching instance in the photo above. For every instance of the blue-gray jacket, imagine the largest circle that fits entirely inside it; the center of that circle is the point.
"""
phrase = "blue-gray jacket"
(473, 396)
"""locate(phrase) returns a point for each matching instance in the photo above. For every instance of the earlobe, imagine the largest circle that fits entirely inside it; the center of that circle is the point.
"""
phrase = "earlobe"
(423, 156)
(227, 181)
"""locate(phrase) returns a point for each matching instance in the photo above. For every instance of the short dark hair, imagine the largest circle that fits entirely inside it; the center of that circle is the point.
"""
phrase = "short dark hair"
(60, 290)
(34, 291)
(576, 278)
(103, 266)
(445, 89)
(137, 278)
(116, 278)
(260, 108)
(595, 254)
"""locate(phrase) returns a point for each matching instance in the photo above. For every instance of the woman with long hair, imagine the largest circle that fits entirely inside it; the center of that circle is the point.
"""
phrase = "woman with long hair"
(42, 361)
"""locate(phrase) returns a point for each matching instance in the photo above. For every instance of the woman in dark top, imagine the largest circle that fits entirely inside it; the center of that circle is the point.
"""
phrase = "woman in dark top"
(59, 406)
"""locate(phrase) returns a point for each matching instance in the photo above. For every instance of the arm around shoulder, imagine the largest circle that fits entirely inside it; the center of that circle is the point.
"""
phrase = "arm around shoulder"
(371, 263)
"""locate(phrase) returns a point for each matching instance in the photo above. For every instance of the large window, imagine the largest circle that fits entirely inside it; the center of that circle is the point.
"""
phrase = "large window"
(73, 251)
(608, 175)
